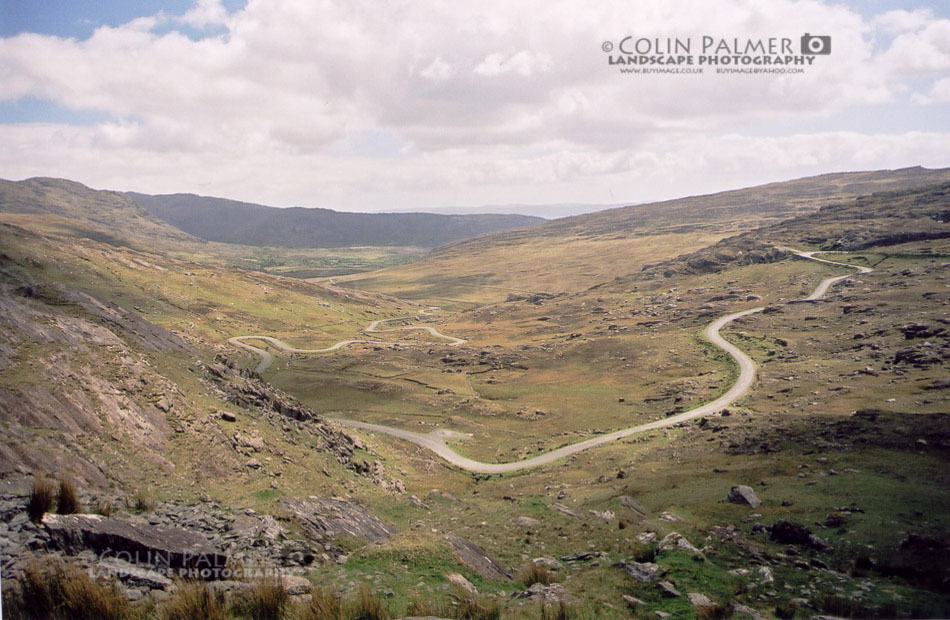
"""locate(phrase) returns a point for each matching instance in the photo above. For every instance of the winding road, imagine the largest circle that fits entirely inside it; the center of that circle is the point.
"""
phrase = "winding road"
(267, 358)
(435, 440)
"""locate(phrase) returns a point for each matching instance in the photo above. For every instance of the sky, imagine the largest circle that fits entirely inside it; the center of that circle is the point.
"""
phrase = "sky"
(373, 105)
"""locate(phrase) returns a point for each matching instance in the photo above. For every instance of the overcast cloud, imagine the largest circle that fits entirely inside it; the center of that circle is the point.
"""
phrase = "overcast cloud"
(368, 105)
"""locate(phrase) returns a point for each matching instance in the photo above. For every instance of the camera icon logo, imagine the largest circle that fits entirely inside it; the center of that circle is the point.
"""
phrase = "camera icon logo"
(815, 45)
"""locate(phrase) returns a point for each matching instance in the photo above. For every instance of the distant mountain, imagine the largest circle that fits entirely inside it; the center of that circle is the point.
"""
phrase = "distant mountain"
(547, 211)
(230, 221)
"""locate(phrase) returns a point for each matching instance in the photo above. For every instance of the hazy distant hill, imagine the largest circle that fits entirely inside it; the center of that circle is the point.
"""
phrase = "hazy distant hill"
(229, 221)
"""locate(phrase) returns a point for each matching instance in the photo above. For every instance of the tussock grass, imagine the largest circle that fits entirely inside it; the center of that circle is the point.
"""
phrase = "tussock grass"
(67, 500)
(325, 604)
(62, 592)
(266, 599)
(532, 573)
(41, 498)
(366, 605)
(104, 507)
(194, 599)
(142, 501)
(470, 606)
(561, 611)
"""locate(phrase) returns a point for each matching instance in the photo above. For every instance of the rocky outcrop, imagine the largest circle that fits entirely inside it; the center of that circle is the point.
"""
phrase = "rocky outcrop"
(135, 542)
(322, 518)
(476, 559)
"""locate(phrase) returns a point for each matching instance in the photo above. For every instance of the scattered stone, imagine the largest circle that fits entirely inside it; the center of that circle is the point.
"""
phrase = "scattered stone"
(669, 517)
(668, 590)
(227, 416)
(415, 501)
(606, 515)
(701, 602)
(475, 558)
(738, 608)
(565, 510)
(462, 582)
(295, 585)
(631, 504)
(527, 522)
(553, 593)
(675, 540)
(253, 464)
(632, 601)
(743, 495)
(641, 571)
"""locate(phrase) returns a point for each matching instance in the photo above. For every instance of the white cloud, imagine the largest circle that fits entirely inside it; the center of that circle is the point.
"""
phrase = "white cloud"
(205, 13)
(900, 21)
(502, 102)
(523, 62)
(939, 94)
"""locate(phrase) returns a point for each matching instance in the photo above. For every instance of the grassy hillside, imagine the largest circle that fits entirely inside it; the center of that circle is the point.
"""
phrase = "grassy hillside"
(574, 253)
(114, 368)
(74, 209)
(229, 221)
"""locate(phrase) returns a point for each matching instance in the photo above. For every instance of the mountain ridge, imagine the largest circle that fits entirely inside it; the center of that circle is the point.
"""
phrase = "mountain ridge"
(232, 221)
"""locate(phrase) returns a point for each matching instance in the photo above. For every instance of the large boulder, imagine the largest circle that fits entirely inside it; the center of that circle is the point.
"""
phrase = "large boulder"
(743, 495)
(184, 551)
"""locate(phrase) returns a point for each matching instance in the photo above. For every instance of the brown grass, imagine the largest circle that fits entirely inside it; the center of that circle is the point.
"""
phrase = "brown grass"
(325, 604)
(142, 501)
(561, 611)
(366, 605)
(266, 599)
(194, 599)
(470, 606)
(41, 498)
(63, 592)
(67, 501)
(532, 573)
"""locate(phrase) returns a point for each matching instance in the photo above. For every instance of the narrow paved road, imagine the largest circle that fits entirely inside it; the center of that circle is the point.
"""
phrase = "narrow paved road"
(435, 441)
(267, 358)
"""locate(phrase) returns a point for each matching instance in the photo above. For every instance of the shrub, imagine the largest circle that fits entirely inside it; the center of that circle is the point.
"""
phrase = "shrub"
(67, 501)
(532, 573)
(41, 498)
(63, 592)
(265, 600)
(194, 599)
